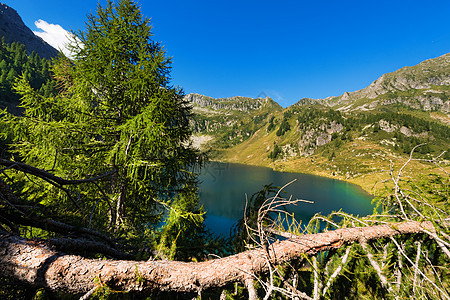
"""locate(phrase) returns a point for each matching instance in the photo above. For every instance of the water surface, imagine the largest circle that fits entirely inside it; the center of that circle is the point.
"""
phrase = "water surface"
(225, 186)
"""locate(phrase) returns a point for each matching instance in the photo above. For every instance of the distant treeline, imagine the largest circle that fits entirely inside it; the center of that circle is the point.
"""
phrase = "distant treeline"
(14, 62)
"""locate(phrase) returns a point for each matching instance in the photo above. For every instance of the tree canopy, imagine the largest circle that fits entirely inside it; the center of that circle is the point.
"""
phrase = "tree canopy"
(117, 117)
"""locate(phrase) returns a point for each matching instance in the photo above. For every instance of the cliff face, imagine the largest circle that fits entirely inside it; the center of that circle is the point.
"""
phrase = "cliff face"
(14, 30)
(242, 104)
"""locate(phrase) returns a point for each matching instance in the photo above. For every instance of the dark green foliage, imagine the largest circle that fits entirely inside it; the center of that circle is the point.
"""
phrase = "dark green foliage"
(446, 155)
(14, 62)
(275, 152)
(10, 290)
(418, 125)
(433, 134)
(310, 115)
(376, 127)
(117, 114)
(332, 156)
(334, 136)
(271, 125)
(284, 126)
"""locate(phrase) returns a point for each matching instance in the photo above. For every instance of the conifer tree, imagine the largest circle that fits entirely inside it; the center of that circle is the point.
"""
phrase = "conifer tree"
(118, 117)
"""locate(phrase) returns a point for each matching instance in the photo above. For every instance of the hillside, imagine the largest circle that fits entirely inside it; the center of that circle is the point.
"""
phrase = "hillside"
(354, 137)
(229, 121)
(425, 86)
(13, 30)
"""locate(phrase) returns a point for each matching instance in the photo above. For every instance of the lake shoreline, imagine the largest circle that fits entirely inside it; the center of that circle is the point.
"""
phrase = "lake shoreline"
(367, 186)
(362, 163)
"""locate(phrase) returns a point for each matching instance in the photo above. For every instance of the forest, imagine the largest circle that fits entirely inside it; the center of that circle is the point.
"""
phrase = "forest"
(99, 193)
(15, 61)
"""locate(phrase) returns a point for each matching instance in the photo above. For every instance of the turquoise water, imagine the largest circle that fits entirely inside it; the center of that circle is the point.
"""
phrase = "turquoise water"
(224, 187)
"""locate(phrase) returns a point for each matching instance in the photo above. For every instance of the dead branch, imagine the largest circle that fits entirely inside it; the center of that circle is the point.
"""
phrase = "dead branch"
(337, 271)
(384, 282)
(416, 267)
(443, 293)
(58, 227)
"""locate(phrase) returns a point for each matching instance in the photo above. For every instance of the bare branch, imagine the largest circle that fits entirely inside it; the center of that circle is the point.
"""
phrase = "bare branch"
(316, 294)
(442, 244)
(384, 282)
(416, 266)
(338, 270)
(252, 295)
(443, 293)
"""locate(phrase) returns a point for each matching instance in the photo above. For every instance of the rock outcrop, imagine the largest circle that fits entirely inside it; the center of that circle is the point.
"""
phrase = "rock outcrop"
(312, 138)
(237, 103)
(426, 75)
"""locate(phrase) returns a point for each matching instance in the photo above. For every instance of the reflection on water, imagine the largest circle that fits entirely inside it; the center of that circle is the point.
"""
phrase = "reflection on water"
(224, 188)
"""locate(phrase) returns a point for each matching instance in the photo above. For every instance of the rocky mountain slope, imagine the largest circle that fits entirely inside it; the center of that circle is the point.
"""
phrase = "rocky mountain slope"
(14, 30)
(423, 89)
(425, 86)
(229, 121)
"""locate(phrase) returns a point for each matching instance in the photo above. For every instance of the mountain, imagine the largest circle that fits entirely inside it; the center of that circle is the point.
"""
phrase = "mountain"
(14, 30)
(230, 120)
(425, 86)
(355, 137)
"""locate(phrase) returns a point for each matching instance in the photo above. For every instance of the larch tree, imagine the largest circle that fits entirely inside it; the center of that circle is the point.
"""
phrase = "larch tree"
(117, 117)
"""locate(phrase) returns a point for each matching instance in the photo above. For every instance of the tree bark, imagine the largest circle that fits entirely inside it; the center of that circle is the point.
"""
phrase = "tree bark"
(34, 263)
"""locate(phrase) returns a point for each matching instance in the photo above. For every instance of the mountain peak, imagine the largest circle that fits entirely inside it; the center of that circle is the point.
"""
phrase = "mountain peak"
(431, 72)
(14, 30)
(425, 86)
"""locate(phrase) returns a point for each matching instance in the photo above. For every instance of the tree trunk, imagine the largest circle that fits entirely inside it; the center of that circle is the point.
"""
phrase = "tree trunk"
(34, 263)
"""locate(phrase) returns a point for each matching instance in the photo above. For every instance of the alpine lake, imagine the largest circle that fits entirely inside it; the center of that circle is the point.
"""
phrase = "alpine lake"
(224, 188)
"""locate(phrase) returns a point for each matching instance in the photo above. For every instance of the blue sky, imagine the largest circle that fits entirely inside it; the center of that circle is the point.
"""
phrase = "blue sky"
(286, 49)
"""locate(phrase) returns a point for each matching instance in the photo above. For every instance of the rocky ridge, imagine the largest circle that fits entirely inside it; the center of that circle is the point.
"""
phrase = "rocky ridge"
(236, 103)
(229, 120)
(14, 30)
(425, 86)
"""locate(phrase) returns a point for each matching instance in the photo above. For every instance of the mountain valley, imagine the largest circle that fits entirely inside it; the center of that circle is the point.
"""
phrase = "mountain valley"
(357, 136)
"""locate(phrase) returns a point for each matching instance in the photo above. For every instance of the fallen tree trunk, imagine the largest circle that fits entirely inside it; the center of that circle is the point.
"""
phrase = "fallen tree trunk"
(34, 263)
